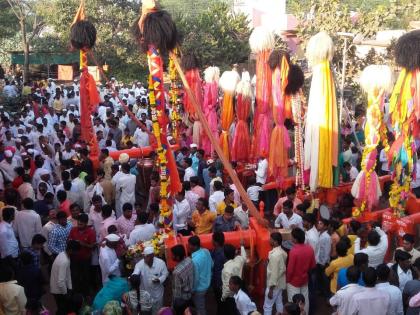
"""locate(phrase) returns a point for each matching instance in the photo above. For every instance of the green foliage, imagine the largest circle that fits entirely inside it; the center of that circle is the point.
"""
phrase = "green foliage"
(216, 35)
(113, 20)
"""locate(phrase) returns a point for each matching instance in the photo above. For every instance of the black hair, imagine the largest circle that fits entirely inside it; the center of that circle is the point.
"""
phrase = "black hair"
(383, 272)
(288, 204)
(127, 206)
(188, 161)
(353, 274)
(204, 201)
(142, 217)
(61, 215)
(229, 209)
(290, 190)
(342, 248)
(218, 185)
(38, 239)
(194, 241)
(219, 238)
(298, 298)
(178, 251)
(61, 195)
(417, 263)
(409, 238)
(8, 214)
(194, 180)
(401, 255)
(355, 225)
(360, 259)
(299, 235)
(369, 277)
(309, 217)
(236, 280)
(83, 217)
(73, 245)
(276, 236)
(6, 272)
(230, 251)
(373, 238)
(106, 211)
(228, 191)
(186, 186)
(112, 229)
(292, 309)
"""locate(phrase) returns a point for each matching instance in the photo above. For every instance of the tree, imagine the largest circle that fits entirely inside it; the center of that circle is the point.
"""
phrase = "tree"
(113, 20)
(216, 35)
(30, 26)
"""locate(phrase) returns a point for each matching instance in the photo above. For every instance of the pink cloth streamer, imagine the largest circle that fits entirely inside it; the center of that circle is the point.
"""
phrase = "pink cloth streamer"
(209, 108)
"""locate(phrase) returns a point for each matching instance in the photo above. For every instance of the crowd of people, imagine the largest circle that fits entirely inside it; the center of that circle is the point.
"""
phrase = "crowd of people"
(65, 227)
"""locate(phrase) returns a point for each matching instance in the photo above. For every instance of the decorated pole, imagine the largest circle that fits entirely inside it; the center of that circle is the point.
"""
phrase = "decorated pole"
(293, 91)
(321, 131)
(158, 35)
(376, 81)
(404, 109)
(83, 37)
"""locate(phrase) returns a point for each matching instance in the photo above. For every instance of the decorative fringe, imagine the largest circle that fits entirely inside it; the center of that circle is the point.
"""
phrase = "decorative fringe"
(376, 77)
(320, 48)
(407, 51)
(261, 39)
(211, 74)
(228, 81)
(83, 35)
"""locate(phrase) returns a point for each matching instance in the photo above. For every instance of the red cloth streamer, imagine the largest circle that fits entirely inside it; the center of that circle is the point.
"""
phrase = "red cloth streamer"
(241, 143)
(194, 80)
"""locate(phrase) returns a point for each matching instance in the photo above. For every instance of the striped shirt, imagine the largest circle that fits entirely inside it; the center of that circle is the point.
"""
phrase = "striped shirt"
(57, 239)
(183, 279)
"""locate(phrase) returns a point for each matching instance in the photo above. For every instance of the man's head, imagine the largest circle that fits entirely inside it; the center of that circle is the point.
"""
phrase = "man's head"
(106, 211)
(353, 274)
(194, 181)
(347, 166)
(218, 185)
(179, 196)
(202, 205)
(142, 217)
(308, 220)
(28, 203)
(228, 215)
(291, 193)
(82, 221)
(275, 239)
(62, 218)
(218, 239)
(323, 225)
(149, 254)
(38, 241)
(229, 195)
(342, 248)
(61, 196)
(75, 210)
(369, 277)
(112, 239)
(373, 238)
(383, 272)
(235, 284)
(288, 208)
(361, 260)
(402, 258)
(230, 251)
(127, 210)
(408, 242)
(298, 236)
(178, 252)
(97, 203)
(194, 243)
(187, 162)
(72, 247)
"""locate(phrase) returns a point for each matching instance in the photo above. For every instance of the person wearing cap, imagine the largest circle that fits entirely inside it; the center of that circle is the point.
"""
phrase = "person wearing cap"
(108, 259)
(125, 185)
(193, 157)
(8, 165)
(153, 272)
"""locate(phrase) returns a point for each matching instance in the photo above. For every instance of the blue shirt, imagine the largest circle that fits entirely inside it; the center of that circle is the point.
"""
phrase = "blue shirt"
(57, 238)
(202, 269)
(112, 290)
(343, 281)
(218, 256)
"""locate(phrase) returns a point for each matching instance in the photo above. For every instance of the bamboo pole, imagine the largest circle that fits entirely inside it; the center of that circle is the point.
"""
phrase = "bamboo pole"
(215, 143)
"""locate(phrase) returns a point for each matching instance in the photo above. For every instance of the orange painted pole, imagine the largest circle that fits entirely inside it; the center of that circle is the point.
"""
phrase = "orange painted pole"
(136, 153)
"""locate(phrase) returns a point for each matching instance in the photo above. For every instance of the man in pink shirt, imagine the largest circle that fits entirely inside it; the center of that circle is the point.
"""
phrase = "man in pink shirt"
(108, 220)
(196, 188)
(126, 222)
(301, 262)
(290, 195)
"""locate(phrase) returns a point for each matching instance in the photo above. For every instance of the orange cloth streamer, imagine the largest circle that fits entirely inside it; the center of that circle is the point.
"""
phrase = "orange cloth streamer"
(227, 111)
(224, 143)
(278, 161)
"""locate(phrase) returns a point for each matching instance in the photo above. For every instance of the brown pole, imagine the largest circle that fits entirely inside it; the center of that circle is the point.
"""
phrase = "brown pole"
(217, 147)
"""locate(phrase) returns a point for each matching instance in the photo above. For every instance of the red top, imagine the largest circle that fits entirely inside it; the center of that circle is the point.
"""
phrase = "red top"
(88, 236)
(301, 261)
(65, 206)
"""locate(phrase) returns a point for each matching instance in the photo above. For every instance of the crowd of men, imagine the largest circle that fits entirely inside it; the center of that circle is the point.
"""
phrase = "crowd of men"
(66, 226)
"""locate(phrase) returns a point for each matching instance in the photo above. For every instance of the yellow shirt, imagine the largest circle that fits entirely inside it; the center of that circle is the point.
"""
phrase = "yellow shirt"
(334, 268)
(222, 206)
(203, 222)
(125, 139)
(352, 238)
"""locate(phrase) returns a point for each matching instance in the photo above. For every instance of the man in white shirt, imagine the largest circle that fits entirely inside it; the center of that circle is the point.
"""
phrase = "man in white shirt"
(311, 233)
(402, 268)
(153, 273)
(408, 246)
(217, 197)
(181, 213)
(233, 267)
(276, 275)
(125, 187)
(384, 163)
(141, 138)
(27, 223)
(108, 259)
(369, 301)
(143, 231)
(288, 219)
(189, 171)
(396, 300)
(351, 171)
(242, 214)
(9, 246)
(262, 170)
(376, 249)
(243, 303)
(60, 279)
(341, 300)
(9, 164)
